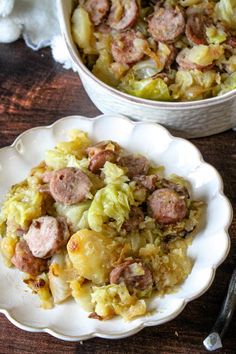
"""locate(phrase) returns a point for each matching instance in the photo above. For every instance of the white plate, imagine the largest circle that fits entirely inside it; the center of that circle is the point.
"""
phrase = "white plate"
(209, 249)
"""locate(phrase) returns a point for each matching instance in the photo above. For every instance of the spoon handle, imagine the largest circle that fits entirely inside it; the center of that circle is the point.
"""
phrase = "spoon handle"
(213, 340)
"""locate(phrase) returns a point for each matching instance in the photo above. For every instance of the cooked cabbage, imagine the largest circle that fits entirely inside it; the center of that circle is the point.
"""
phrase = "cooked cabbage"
(112, 201)
(186, 3)
(103, 70)
(69, 153)
(215, 35)
(23, 203)
(59, 287)
(113, 174)
(75, 215)
(40, 286)
(230, 64)
(115, 299)
(228, 85)
(150, 88)
(149, 67)
(204, 55)
(81, 292)
(145, 69)
(225, 10)
(194, 84)
(7, 247)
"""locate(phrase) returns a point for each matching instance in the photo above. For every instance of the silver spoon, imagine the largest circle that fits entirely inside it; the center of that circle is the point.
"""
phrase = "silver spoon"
(214, 340)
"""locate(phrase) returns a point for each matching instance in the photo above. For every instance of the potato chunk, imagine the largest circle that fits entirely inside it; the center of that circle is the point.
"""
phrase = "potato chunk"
(92, 254)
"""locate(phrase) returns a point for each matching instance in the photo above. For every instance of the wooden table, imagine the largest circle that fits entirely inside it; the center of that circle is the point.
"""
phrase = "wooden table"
(34, 90)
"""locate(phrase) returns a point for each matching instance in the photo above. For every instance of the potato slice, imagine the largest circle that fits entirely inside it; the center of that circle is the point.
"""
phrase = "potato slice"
(92, 254)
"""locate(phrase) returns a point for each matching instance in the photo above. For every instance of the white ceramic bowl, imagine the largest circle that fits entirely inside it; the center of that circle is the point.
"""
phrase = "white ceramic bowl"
(188, 119)
(67, 321)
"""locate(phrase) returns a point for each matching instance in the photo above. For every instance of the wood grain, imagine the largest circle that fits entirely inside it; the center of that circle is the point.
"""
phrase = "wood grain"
(34, 90)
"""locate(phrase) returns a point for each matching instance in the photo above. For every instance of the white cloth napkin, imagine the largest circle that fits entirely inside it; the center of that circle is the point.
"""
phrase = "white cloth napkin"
(37, 22)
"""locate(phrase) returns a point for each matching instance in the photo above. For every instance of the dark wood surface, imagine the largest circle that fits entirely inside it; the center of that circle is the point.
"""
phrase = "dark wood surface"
(34, 90)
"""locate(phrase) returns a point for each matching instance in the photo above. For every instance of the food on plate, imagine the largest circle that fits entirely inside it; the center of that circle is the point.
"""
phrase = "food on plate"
(101, 225)
(159, 50)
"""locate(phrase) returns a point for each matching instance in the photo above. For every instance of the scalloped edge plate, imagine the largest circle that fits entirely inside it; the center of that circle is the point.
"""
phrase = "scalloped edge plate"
(178, 156)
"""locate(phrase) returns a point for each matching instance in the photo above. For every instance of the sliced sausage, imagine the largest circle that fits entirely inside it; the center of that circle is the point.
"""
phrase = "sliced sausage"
(24, 260)
(196, 29)
(97, 10)
(136, 216)
(123, 14)
(100, 153)
(231, 41)
(125, 272)
(69, 185)
(101, 146)
(128, 47)
(148, 182)
(103, 28)
(99, 160)
(167, 206)
(136, 165)
(166, 24)
(46, 236)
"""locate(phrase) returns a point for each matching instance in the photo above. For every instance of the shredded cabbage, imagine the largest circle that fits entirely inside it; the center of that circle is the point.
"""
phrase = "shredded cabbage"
(113, 174)
(102, 68)
(75, 214)
(204, 55)
(215, 35)
(23, 203)
(225, 10)
(150, 88)
(115, 299)
(194, 84)
(59, 287)
(112, 201)
(68, 153)
(228, 85)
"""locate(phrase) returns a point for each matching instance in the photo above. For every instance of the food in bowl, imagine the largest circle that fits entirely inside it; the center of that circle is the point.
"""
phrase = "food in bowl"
(164, 51)
(102, 225)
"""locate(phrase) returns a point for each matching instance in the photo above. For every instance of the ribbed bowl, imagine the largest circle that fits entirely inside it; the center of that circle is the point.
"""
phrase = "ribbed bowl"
(186, 119)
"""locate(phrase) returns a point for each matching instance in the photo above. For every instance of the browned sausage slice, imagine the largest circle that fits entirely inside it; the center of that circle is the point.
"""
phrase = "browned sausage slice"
(231, 41)
(136, 165)
(101, 146)
(196, 29)
(99, 160)
(167, 206)
(128, 47)
(69, 185)
(97, 10)
(127, 272)
(24, 260)
(136, 216)
(166, 24)
(101, 152)
(123, 14)
(148, 182)
(46, 236)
